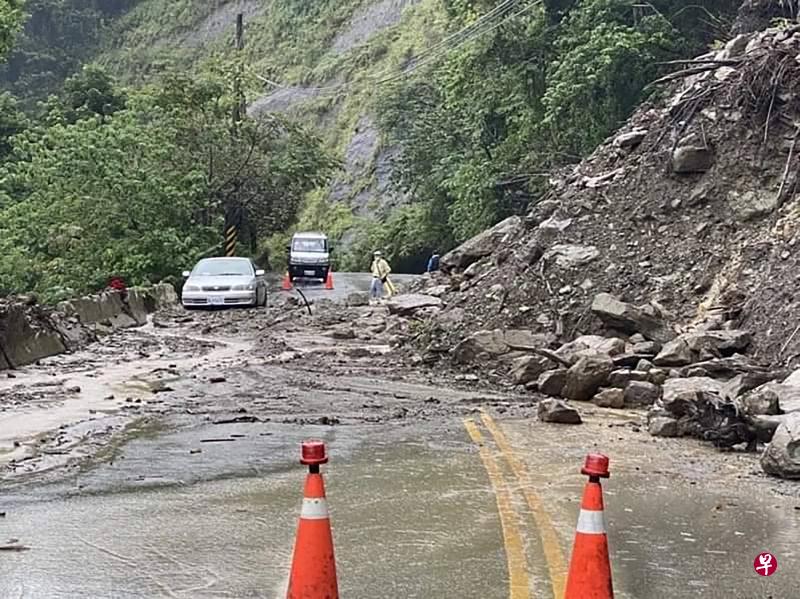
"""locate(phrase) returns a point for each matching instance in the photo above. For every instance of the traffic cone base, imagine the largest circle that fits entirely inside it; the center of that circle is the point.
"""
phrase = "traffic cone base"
(590, 568)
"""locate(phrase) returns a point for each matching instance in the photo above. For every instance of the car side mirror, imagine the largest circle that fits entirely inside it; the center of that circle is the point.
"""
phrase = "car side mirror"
(259, 273)
(186, 274)
(330, 249)
(289, 248)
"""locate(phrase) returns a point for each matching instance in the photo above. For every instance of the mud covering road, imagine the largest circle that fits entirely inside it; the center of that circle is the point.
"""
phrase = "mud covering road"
(163, 462)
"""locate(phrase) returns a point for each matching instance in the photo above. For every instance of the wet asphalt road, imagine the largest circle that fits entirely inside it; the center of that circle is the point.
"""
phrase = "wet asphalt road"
(175, 511)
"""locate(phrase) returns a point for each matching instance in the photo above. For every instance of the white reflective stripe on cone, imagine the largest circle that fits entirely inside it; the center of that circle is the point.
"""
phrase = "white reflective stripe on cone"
(314, 509)
(591, 522)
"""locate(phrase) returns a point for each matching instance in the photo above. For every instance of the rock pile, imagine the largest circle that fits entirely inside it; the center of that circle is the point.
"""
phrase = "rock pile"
(675, 242)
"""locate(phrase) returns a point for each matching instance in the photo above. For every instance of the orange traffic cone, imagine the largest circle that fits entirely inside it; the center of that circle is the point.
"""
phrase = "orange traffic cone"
(287, 282)
(329, 280)
(313, 574)
(589, 568)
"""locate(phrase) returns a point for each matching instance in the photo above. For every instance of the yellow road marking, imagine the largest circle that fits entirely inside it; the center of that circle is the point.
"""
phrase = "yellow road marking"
(556, 564)
(519, 586)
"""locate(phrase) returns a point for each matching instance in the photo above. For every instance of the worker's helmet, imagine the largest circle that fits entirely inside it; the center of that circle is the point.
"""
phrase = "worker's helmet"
(377, 253)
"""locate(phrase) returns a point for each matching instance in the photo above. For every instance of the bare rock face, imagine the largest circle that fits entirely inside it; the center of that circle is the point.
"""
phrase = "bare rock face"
(782, 456)
(629, 319)
(755, 15)
(558, 411)
(586, 376)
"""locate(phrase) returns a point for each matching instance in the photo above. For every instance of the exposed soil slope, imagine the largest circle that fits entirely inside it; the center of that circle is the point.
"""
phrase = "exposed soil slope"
(691, 206)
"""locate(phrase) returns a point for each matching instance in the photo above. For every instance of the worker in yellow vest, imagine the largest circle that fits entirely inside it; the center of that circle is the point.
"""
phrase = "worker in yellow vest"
(380, 277)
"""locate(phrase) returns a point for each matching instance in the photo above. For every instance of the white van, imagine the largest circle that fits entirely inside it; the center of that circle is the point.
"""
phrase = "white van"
(309, 256)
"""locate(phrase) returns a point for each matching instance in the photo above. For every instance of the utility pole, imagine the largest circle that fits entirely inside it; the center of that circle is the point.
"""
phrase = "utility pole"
(239, 108)
(233, 211)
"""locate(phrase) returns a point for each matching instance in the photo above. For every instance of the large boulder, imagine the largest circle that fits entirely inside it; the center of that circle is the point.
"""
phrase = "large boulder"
(641, 393)
(558, 411)
(609, 398)
(589, 345)
(763, 401)
(525, 340)
(695, 347)
(772, 398)
(552, 382)
(491, 343)
(629, 319)
(782, 456)
(621, 377)
(480, 246)
(528, 368)
(675, 353)
(586, 376)
(745, 382)
(408, 303)
(679, 396)
(793, 379)
(662, 426)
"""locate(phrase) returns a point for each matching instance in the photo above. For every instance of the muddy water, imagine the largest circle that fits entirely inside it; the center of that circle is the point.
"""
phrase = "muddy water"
(411, 519)
(684, 520)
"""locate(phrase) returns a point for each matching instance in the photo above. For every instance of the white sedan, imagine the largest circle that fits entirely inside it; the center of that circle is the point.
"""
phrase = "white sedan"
(224, 282)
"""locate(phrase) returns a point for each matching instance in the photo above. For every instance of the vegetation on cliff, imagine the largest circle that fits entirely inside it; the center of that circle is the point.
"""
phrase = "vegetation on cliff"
(471, 103)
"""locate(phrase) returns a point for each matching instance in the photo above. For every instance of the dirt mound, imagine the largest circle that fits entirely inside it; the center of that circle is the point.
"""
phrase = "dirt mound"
(690, 208)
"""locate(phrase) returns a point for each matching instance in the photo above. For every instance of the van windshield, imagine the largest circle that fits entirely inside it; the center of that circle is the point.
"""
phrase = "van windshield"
(308, 245)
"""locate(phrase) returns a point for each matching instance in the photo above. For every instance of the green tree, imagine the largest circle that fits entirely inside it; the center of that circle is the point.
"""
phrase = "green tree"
(141, 192)
(12, 122)
(10, 21)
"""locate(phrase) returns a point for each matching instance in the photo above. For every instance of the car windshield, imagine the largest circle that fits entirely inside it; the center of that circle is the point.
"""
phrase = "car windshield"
(308, 245)
(222, 268)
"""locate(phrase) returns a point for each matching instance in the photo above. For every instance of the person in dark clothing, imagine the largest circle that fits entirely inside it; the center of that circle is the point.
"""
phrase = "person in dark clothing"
(433, 262)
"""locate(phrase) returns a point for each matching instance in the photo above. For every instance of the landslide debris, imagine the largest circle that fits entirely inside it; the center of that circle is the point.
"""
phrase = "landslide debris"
(663, 268)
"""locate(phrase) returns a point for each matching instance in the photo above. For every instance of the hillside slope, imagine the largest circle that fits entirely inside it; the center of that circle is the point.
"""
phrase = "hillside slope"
(691, 208)
(447, 115)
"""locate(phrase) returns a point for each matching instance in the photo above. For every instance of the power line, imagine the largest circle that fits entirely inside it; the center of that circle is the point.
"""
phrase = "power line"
(480, 27)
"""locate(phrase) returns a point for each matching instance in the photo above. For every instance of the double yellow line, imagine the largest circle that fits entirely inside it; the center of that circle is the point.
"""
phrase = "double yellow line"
(518, 570)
